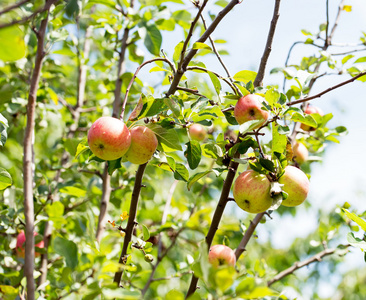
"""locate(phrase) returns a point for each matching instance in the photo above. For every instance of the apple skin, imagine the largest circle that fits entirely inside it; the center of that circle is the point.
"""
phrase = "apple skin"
(20, 247)
(252, 192)
(143, 145)
(296, 185)
(311, 110)
(301, 153)
(197, 132)
(109, 138)
(221, 255)
(248, 108)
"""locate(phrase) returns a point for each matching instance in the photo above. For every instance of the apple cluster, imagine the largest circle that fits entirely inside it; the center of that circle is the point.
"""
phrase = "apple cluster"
(110, 139)
(252, 190)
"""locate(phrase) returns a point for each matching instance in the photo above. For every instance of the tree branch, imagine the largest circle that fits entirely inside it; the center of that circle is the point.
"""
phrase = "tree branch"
(11, 7)
(327, 90)
(298, 265)
(131, 219)
(262, 67)
(28, 156)
(248, 234)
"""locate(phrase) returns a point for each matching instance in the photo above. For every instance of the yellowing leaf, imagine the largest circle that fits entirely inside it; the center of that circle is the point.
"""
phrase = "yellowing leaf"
(347, 8)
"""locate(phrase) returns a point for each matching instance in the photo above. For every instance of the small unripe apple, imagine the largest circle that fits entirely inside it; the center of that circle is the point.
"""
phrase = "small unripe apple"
(311, 110)
(301, 153)
(252, 192)
(221, 255)
(143, 145)
(109, 138)
(296, 185)
(197, 132)
(20, 247)
(248, 108)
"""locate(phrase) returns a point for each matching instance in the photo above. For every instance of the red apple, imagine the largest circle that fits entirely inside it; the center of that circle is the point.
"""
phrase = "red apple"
(296, 185)
(197, 132)
(248, 108)
(221, 255)
(143, 145)
(109, 138)
(20, 247)
(301, 153)
(252, 192)
(311, 110)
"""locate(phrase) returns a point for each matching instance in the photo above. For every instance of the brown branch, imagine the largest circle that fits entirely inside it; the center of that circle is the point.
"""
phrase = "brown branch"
(192, 91)
(28, 175)
(248, 234)
(11, 7)
(298, 265)
(190, 33)
(340, 8)
(46, 7)
(327, 90)
(179, 73)
(262, 67)
(131, 219)
(216, 217)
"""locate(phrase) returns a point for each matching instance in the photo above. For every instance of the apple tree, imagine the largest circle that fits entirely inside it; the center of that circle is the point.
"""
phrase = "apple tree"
(136, 167)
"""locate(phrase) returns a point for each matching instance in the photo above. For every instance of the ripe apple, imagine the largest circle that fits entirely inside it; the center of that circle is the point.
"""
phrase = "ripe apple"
(296, 185)
(252, 192)
(248, 108)
(301, 153)
(197, 132)
(311, 110)
(143, 145)
(221, 255)
(20, 247)
(109, 138)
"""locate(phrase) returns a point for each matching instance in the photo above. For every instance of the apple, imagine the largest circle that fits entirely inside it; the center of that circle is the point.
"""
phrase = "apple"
(197, 132)
(221, 255)
(248, 108)
(143, 145)
(252, 192)
(109, 138)
(311, 110)
(301, 153)
(296, 185)
(20, 247)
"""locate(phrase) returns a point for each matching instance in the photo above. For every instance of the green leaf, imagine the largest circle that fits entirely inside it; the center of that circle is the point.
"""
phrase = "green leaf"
(307, 120)
(194, 178)
(114, 165)
(199, 45)
(12, 44)
(212, 150)
(347, 58)
(152, 38)
(55, 213)
(3, 135)
(355, 241)
(73, 191)
(5, 179)
(216, 82)
(361, 60)
(173, 105)
(224, 278)
(168, 138)
(82, 147)
(145, 232)
(279, 141)
(66, 249)
(249, 125)
(267, 164)
(174, 294)
(171, 162)
(177, 51)
(181, 172)
(119, 293)
(8, 292)
(272, 96)
(356, 219)
(193, 154)
(245, 76)
(259, 293)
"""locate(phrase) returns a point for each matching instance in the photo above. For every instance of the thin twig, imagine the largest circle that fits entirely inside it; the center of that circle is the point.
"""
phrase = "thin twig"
(131, 219)
(327, 90)
(194, 92)
(11, 7)
(298, 265)
(262, 67)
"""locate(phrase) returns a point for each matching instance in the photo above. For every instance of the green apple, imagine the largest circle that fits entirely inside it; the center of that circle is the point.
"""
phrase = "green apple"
(252, 192)
(296, 185)
(143, 145)
(248, 108)
(109, 138)
(221, 255)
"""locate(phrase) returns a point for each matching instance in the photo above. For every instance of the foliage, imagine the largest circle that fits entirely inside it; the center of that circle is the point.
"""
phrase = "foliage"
(92, 50)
